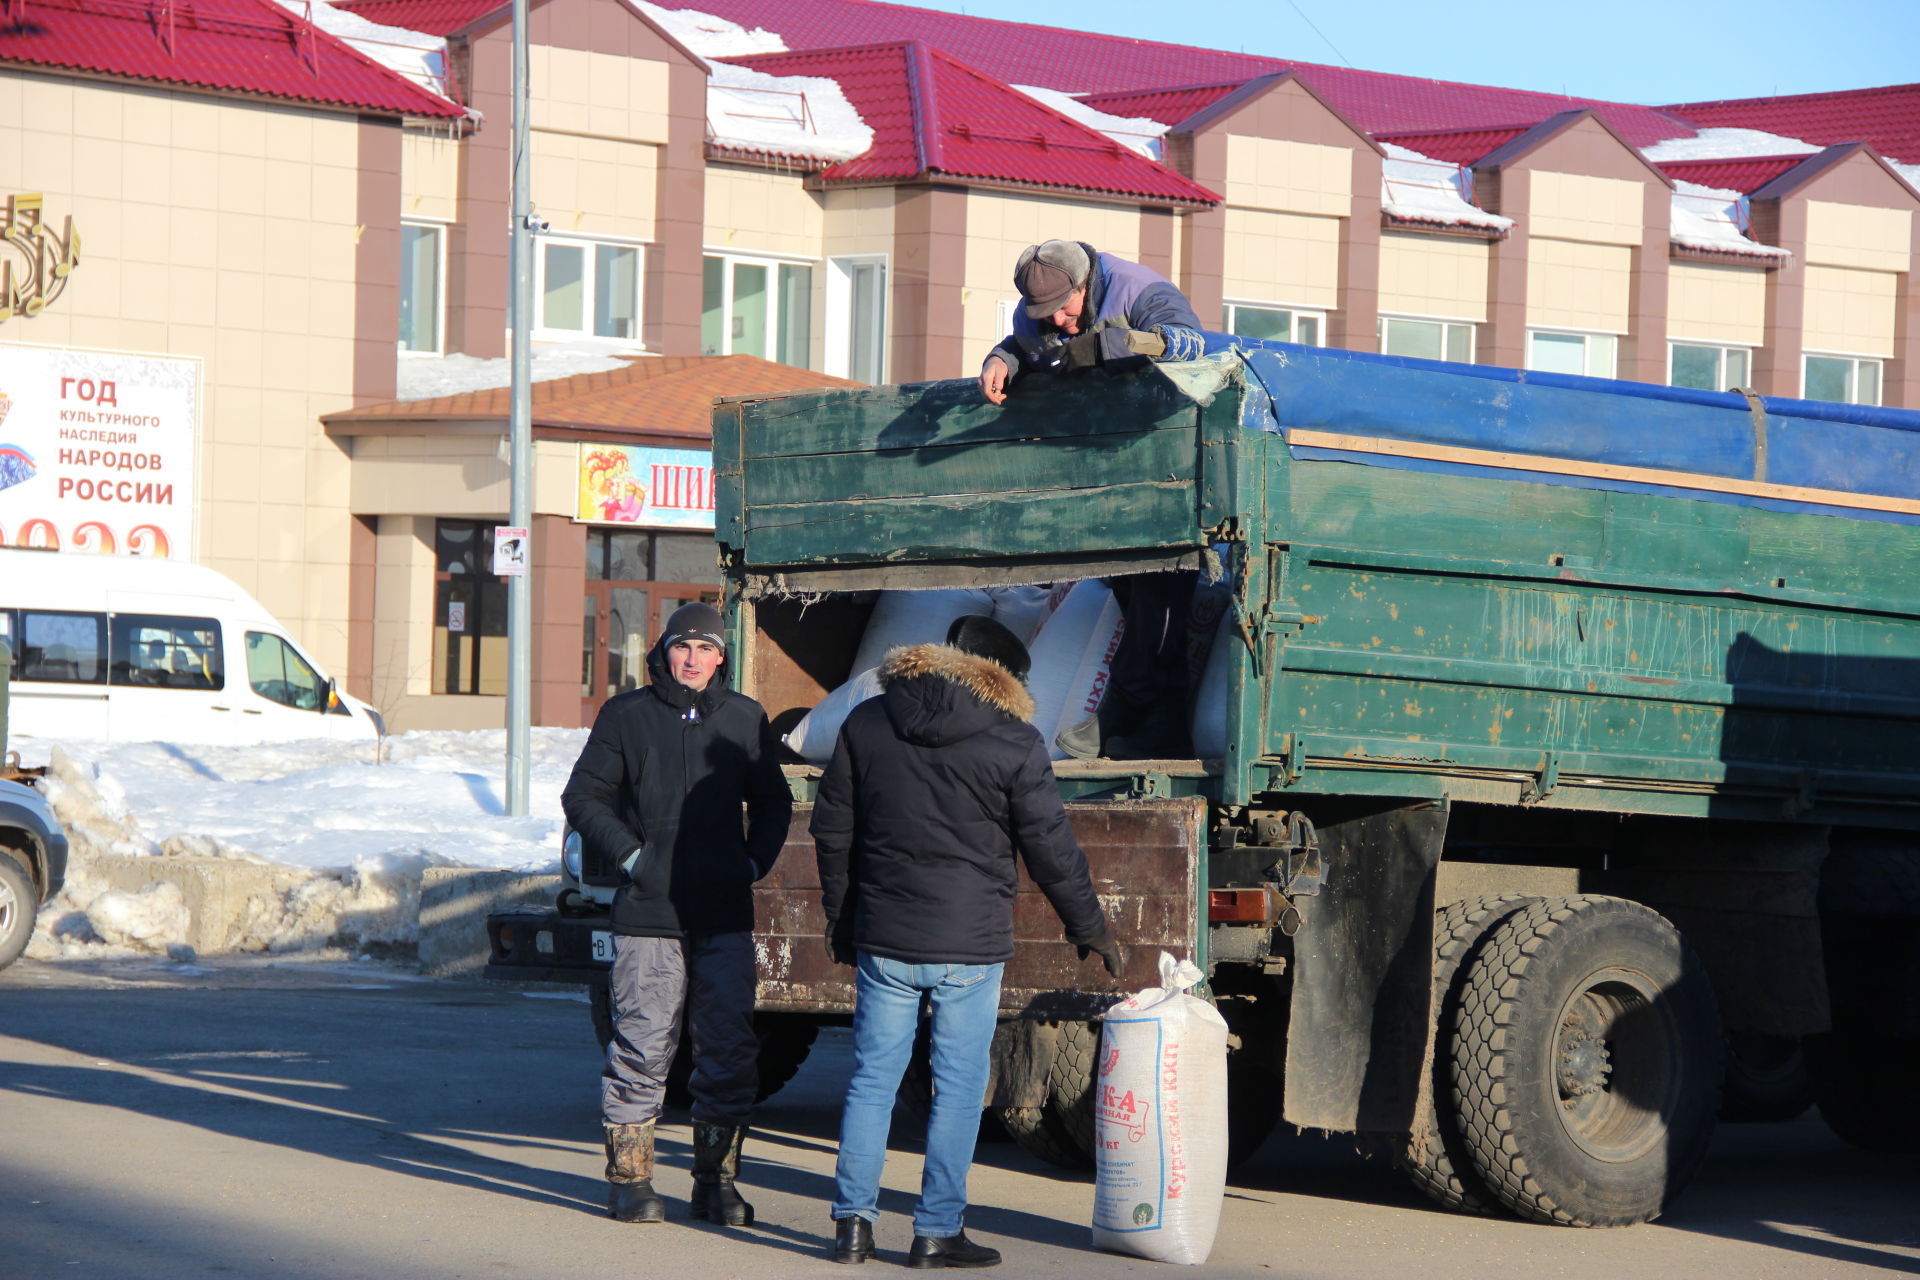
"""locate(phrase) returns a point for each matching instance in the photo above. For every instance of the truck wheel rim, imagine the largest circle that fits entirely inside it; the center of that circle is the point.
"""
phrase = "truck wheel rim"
(1615, 1050)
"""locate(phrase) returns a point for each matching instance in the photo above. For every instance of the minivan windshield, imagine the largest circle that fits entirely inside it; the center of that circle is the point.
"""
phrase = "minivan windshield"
(277, 672)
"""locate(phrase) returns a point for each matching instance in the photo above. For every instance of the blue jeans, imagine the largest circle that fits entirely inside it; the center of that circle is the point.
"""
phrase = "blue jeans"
(886, 1011)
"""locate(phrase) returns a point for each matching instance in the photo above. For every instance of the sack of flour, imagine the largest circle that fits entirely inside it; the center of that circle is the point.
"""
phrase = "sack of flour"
(915, 617)
(1073, 660)
(819, 729)
(1160, 1122)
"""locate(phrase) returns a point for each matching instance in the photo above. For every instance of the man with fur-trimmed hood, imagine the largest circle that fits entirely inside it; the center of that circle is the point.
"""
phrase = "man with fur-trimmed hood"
(933, 788)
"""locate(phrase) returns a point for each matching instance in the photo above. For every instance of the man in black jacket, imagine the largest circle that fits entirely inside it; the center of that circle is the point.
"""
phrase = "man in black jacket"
(933, 787)
(659, 790)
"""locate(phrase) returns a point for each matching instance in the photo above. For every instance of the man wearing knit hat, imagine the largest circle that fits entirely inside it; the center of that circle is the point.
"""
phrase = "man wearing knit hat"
(1081, 308)
(658, 790)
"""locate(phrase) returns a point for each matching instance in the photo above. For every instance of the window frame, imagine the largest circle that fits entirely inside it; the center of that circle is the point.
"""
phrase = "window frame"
(1586, 360)
(126, 669)
(1855, 362)
(776, 300)
(102, 651)
(1722, 381)
(1294, 315)
(1445, 323)
(442, 234)
(838, 350)
(541, 331)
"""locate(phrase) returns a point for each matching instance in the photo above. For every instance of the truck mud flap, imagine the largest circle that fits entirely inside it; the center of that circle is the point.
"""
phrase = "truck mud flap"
(1362, 968)
(1146, 857)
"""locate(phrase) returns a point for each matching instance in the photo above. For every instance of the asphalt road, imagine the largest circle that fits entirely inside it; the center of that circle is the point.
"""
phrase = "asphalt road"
(311, 1119)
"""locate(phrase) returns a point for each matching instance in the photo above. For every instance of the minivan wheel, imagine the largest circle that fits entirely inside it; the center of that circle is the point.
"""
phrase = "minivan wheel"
(16, 909)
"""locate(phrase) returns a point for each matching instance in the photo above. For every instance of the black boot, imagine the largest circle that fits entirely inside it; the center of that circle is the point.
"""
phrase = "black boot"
(630, 1196)
(951, 1251)
(716, 1163)
(852, 1240)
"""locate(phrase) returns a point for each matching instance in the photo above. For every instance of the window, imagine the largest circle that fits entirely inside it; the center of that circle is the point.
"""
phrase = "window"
(422, 267)
(587, 288)
(857, 318)
(278, 673)
(469, 611)
(1277, 324)
(62, 648)
(1426, 339)
(1844, 379)
(1708, 368)
(164, 652)
(757, 308)
(1588, 353)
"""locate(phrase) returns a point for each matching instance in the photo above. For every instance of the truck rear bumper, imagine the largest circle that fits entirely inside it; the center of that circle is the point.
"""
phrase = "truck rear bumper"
(539, 944)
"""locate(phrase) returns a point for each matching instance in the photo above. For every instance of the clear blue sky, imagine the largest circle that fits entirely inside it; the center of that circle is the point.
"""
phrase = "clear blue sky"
(1645, 51)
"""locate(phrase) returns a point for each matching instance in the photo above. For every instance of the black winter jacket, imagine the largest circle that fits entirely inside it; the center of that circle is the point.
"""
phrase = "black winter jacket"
(934, 786)
(665, 770)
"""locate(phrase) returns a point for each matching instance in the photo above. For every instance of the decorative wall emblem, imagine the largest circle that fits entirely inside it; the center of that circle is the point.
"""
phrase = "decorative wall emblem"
(35, 260)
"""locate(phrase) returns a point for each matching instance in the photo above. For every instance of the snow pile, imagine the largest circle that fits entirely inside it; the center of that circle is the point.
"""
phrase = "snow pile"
(339, 839)
(420, 57)
(1726, 144)
(803, 117)
(430, 377)
(1137, 132)
(1419, 188)
(1713, 219)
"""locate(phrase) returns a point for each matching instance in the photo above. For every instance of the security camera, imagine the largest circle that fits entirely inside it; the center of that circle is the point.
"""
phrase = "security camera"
(538, 225)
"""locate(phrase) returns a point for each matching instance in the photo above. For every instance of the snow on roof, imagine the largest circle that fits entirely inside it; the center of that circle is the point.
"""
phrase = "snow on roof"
(1418, 188)
(804, 117)
(1715, 219)
(1726, 144)
(1139, 132)
(430, 377)
(420, 57)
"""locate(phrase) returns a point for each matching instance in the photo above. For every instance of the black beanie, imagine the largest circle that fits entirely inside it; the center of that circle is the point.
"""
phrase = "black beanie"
(982, 637)
(696, 621)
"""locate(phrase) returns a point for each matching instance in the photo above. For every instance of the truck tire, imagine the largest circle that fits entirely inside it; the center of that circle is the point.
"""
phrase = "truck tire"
(1865, 1087)
(1586, 1062)
(1073, 1079)
(785, 1042)
(1863, 1069)
(1042, 1132)
(17, 908)
(1767, 1079)
(1437, 1161)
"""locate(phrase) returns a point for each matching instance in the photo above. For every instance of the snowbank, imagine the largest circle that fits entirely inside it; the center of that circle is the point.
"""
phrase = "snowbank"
(339, 831)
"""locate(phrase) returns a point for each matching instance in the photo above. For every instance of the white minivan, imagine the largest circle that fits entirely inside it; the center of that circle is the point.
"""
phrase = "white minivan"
(135, 649)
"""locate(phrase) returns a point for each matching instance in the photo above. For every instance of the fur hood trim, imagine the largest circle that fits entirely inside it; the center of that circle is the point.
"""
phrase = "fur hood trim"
(992, 683)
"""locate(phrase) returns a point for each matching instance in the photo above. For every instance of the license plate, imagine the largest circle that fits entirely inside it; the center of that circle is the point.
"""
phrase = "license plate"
(603, 945)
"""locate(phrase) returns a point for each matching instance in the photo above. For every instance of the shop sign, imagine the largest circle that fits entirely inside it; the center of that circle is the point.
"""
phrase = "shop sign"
(658, 488)
(98, 450)
(35, 260)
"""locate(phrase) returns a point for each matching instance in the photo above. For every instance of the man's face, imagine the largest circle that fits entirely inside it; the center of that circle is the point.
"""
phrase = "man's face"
(1067, 318)
(693, 662)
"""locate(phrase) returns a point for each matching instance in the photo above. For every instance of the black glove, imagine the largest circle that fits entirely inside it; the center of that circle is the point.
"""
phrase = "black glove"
(1081, 352)
(1107, 945)
(839, 946)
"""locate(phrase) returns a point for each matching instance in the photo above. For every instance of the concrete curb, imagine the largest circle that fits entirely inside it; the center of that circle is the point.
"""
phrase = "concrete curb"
(454, 902)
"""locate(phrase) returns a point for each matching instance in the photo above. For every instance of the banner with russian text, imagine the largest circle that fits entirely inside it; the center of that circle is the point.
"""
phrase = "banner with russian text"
(659, 488)
(97, 450)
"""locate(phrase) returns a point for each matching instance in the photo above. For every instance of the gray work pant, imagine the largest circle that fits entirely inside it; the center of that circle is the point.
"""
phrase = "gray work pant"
(710, 977)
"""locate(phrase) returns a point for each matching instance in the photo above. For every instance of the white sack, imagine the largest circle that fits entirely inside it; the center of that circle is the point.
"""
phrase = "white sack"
(1022, 610)
(814, 736)
(1210, 697)
(1160, 1122)
(1072, 660)
(915, 617)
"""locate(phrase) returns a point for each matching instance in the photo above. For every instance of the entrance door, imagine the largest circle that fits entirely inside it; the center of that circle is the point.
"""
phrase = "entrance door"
(620, 623)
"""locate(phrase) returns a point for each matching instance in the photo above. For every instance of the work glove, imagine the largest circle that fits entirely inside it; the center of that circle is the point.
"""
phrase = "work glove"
(839, 946)
(1107, 945)
(1081, 352)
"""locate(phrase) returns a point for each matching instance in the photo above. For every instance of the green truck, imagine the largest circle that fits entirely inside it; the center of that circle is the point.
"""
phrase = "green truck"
(1562, 790)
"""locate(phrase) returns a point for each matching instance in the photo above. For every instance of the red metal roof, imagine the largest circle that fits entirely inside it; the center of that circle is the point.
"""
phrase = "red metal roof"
(1886, 119)
(1745, 174)
(932, 114)
(252, 47)
(435, 17)
(1081, 62)
(1455, 146)
(1168, 106)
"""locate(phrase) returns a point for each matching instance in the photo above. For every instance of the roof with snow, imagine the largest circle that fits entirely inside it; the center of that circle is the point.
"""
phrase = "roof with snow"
(932, 114)
(652, 396)
(250, 47)
(1169, 106)
(1744, 174)
(1458, 146)
(436, 17)
(1887, 118)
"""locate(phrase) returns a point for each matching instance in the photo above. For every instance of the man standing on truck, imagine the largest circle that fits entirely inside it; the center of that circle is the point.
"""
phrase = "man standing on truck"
(1080, 309)
(658, 790)
(933, 787)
